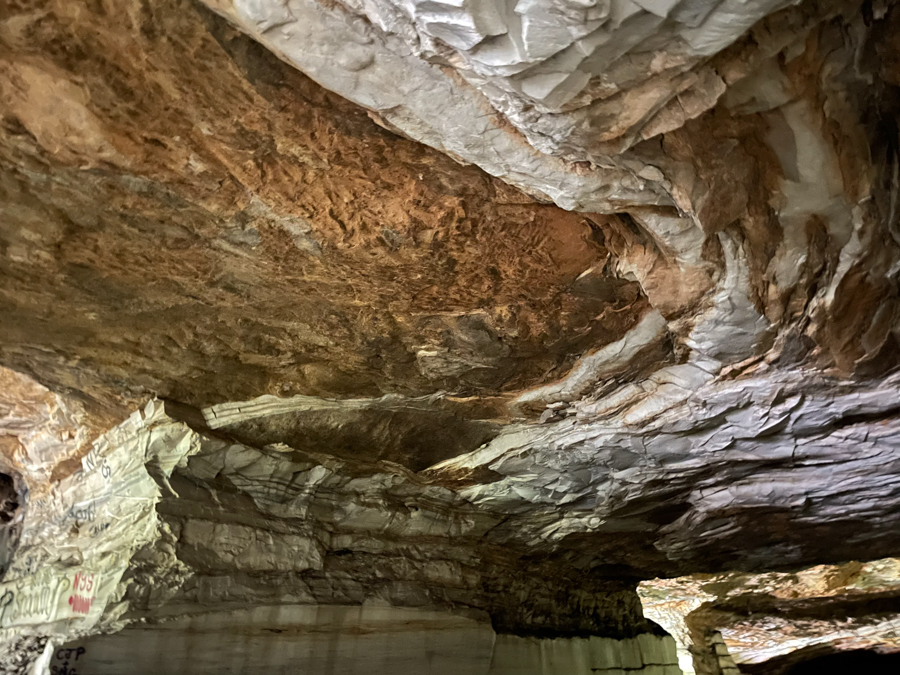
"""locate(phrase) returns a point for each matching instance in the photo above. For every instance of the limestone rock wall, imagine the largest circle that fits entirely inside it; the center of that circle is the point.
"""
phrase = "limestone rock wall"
(80, 532)
(171, 522)
(236, 513)
(307, 639)
(647, 654)
(559, 296)
(735, 474)
(320, 640)
(767, 623)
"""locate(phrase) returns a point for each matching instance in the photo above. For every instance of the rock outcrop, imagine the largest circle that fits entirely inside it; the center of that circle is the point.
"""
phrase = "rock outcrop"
(170, 515)
(463, 317)
(767, 623)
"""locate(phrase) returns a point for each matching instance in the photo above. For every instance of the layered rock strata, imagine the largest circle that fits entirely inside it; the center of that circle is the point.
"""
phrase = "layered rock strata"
(356, 639)
(768, 623)
(672, 350)
(169, 516)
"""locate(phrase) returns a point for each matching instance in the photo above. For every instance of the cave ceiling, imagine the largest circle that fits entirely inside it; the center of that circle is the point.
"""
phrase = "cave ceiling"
(490, 308)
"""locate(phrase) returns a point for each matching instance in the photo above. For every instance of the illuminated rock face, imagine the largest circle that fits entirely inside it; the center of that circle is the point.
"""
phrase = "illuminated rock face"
(466, 317)
(770, 623)
(293, 559)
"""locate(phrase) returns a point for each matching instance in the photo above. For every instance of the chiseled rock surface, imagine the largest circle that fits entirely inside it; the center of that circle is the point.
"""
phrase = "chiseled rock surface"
(373, 639)
(647, 654)
(290, 638)
(765, 623)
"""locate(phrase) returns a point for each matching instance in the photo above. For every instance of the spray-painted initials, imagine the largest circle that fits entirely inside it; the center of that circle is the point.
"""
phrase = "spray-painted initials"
(82, 599)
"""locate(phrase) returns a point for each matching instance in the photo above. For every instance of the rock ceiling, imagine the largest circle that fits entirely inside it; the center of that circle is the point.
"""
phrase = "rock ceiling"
(464, 316)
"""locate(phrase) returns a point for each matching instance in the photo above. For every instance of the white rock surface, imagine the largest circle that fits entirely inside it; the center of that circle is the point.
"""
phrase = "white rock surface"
(381, 71)
(79, 534)
(743, 458)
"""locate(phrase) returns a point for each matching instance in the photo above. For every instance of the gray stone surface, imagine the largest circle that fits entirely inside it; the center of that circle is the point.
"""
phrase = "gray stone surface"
(418, 392)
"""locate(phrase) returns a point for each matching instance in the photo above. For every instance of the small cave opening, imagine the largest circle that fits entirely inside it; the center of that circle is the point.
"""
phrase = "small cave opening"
(9, 499)
(865, 661)
(9, 525)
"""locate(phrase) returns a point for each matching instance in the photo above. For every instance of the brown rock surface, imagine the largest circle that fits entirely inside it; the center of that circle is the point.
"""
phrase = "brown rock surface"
(257, 234)
(383, 380)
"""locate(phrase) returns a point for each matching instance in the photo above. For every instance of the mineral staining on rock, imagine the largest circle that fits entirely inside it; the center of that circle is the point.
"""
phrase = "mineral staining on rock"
(259, 235)
(263, 236)
(560, 296)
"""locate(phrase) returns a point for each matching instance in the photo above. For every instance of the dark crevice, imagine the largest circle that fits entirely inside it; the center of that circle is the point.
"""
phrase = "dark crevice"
(10, 527)
(826, 660)
(866, 605)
